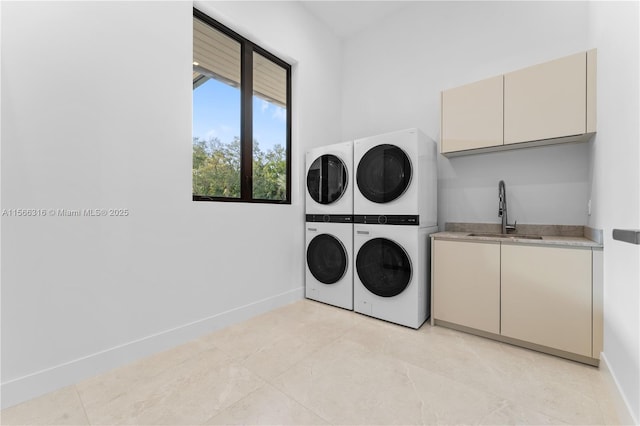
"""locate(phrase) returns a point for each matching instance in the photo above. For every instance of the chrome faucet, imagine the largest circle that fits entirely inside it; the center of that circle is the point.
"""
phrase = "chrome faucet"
(502, 208)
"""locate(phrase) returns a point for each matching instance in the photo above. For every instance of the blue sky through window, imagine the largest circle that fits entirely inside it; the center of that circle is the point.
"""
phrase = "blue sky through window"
(216, 113)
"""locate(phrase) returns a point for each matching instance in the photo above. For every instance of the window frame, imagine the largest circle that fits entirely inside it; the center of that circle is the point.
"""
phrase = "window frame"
(247, 48)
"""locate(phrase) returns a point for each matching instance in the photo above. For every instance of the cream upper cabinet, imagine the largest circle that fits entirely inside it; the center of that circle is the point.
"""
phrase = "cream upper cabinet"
(546, 101)
(546, 297)
(472, 116)
(544, 104)
(466, 279)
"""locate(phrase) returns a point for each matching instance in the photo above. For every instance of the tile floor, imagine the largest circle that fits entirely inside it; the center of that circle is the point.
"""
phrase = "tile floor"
(309, 363)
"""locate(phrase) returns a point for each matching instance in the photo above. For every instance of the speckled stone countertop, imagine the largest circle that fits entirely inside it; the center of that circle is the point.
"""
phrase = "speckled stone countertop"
(562, 235)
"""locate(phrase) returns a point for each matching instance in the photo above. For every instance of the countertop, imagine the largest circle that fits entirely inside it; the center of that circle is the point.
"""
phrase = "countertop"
(557, 235)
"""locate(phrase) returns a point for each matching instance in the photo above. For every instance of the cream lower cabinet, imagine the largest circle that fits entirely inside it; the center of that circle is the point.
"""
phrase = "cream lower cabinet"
(543, 297)
(546, 296)
(467, 284)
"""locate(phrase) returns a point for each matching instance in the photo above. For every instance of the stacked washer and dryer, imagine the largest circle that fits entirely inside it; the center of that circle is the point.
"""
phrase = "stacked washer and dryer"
(394, 204)
(395, 210)
(329, 225)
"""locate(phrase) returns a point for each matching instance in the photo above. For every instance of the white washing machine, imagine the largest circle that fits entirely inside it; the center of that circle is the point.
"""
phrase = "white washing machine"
(391, 279)
(329, 261)
(396, 175)
(330, 179)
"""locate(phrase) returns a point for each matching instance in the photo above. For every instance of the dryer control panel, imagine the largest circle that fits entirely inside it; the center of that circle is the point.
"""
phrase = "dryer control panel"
(375, 219)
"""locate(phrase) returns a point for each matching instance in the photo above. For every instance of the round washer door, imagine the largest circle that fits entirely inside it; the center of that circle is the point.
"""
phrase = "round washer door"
(384, 173)
(327, 179)
(327, 259)
(383, 267)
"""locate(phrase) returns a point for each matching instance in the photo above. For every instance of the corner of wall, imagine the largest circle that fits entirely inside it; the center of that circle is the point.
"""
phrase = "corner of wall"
(620, 402)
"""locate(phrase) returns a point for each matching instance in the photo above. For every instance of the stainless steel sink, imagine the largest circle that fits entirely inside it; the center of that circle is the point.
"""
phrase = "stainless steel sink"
(510, 236)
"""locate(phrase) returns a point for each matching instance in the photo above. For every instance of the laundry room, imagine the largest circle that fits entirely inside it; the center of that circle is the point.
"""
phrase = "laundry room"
(137, 289)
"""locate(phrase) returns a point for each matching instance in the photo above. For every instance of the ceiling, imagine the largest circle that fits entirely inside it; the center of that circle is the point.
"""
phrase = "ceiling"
(346, 18)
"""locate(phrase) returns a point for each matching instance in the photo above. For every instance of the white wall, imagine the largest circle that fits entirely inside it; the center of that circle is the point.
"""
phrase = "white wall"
(394, 72)
(96, 113)
(615, 191)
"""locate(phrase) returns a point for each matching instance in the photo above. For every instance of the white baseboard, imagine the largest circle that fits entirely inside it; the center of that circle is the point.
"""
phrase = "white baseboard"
(623, 409)
(41, 382)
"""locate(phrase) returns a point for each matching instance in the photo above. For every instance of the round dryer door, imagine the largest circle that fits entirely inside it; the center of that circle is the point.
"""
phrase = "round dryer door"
(327, 179)
(383, 267)
(384, 173)
(327, 259)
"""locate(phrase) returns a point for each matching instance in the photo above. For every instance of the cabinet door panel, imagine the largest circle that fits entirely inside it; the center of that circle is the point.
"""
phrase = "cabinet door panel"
(472, 116)
(467, 284)
(546, 296)
(546, 101)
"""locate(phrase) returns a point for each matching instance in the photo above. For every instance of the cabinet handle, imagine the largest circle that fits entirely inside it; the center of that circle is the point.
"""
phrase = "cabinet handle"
(631, 236)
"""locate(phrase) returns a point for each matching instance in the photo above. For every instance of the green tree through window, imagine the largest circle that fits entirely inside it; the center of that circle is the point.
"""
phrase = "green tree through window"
(216, 169)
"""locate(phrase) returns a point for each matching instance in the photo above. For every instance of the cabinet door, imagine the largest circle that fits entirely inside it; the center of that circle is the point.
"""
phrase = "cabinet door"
(472, 116)
(466, 280)
(546, 296)
(546, 101)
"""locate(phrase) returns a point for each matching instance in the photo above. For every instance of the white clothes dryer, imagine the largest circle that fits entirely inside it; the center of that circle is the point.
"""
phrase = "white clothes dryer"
(391, 279)
(329, 260)
(396, 175)
(329, 179)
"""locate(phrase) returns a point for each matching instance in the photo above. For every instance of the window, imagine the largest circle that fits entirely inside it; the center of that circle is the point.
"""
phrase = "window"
(241, 118)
